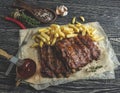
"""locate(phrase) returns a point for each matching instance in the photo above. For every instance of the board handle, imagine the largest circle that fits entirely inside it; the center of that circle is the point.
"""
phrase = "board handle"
(5, 54)
(21, 4)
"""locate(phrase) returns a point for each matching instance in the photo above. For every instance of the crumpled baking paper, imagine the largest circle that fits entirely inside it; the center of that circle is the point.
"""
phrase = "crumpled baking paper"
(108, 60)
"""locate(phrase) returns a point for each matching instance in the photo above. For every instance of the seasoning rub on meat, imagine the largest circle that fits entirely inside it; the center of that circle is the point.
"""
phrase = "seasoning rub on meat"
(67, 56)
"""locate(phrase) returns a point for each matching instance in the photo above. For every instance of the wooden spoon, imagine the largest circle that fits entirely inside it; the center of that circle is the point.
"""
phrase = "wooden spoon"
(44, 15)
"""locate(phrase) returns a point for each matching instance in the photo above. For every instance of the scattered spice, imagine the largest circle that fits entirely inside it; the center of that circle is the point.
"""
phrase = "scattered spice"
(44, 15)
(61, 10)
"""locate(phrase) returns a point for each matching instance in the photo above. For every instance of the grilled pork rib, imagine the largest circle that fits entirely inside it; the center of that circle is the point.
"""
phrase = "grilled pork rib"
(88, 42)
(45, 70)
(67, 56)
(51, 66)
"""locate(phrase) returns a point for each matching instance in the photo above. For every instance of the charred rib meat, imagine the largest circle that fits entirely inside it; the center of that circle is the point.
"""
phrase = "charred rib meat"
(67, 56)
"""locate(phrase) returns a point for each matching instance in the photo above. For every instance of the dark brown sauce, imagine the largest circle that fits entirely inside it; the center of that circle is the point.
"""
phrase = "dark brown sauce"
(27, 69)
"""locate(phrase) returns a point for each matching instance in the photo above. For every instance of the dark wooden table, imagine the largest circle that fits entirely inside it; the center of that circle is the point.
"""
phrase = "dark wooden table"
(107, 12)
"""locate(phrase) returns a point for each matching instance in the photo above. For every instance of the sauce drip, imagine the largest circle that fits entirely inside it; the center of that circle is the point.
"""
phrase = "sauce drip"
(27, 69)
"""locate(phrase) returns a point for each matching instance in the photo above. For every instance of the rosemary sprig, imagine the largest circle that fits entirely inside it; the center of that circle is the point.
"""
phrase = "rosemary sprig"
(29, 20)
(20, 15)
(93, 68)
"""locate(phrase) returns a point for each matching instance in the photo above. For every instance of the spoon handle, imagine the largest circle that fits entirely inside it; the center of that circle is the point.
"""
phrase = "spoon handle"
(5, 54)
(21, 4)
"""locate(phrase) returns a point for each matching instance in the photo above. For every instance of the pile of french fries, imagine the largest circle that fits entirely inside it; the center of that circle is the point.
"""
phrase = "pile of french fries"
(50, 35)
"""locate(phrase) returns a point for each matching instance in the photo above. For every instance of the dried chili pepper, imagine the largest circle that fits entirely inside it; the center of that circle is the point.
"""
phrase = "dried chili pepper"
(14, 21)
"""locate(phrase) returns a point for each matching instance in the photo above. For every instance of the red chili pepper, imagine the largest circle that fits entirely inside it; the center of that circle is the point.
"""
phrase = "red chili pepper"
(15, 21)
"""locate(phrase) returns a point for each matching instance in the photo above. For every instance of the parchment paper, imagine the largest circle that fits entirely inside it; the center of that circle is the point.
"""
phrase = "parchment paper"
(107, 59)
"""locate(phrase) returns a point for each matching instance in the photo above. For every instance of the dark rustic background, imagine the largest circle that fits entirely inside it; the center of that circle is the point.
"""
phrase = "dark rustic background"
(107, 12)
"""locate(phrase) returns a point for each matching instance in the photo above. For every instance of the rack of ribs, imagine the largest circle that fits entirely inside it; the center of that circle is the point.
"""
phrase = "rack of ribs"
(67, 56)
(51, 66)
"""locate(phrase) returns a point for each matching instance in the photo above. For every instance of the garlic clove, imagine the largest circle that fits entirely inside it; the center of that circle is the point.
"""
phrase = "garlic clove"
(61, 10)
(57, 12)
(65, 13)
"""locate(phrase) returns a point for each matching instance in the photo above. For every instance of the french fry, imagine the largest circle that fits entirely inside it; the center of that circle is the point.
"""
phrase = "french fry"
(52, 31)
(90, 29)
(78, 23)
(34, 45)
(73, 20)
(90, 32)
(41, 43)
(61, 38)
(61, 33)
(45, 36)
(41, 37)
(62, 27)
(73, 26)
(67, 30)
(55, 26)
(56, 35)
(98, 38)
(83, 33)
(82, 28)
(43, 30)
(71, 35)
(49, 28)
(82, 18)
(53, 41)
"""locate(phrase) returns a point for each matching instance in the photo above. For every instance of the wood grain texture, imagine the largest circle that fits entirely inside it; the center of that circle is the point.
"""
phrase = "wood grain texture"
(107, 12)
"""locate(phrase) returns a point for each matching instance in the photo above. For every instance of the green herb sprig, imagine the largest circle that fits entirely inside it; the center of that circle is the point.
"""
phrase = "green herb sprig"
(20, 15)
(93, 68)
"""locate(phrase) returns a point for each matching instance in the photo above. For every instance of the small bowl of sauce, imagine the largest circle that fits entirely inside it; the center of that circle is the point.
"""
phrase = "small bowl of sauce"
(27, 69)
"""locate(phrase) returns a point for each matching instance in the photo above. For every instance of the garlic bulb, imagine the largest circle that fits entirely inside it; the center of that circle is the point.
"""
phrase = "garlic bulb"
(61, 10)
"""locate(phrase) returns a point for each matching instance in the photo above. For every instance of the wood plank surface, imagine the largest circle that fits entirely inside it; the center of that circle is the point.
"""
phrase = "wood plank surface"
(107, 12)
